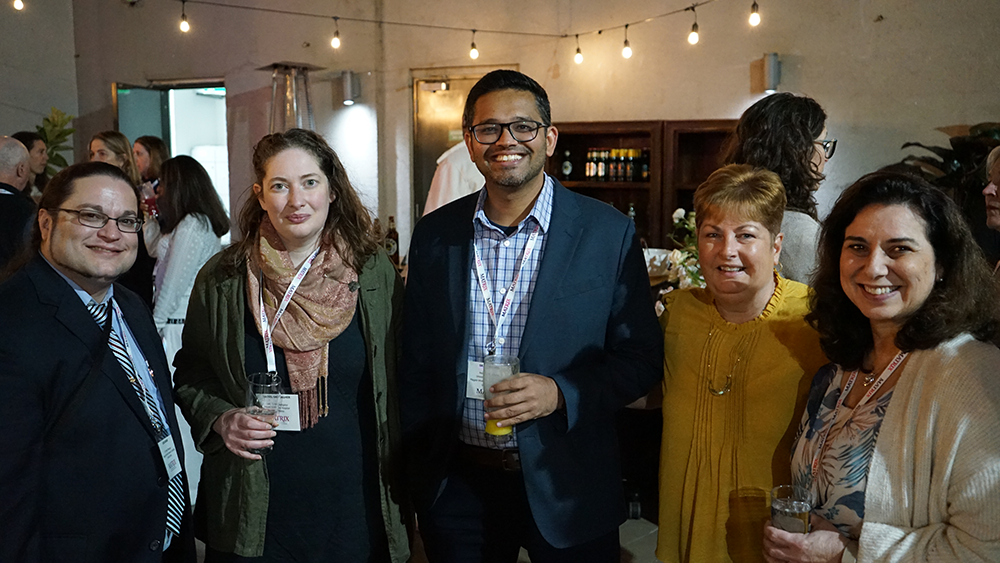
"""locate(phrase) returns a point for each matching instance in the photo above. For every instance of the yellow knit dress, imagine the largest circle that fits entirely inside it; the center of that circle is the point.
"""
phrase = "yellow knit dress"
(724, 449)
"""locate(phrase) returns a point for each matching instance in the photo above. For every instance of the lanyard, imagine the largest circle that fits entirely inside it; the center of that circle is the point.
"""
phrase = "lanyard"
(133, 379)
(484, 286)
(886, 373)
(265, 327)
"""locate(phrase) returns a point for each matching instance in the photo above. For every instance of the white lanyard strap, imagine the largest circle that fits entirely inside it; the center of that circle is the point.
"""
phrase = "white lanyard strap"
(886, 373)
(484, 286)
(265, 327)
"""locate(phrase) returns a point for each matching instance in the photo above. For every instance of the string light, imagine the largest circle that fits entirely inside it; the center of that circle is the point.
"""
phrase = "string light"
(754, 16)
(473, 52)
(578, 57)
(693, 36)
(185, 26)
(18, 5)
(626, 50)
(335, 42)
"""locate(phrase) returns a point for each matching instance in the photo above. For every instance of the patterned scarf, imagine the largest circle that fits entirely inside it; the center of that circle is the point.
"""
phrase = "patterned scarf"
(321, 308)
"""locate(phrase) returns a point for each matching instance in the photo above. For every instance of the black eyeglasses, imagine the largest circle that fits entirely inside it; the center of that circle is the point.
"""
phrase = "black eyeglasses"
(97, 220)
(829, 147)
(521, 131)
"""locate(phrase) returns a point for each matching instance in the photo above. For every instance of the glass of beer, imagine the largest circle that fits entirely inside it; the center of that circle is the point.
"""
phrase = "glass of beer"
(495, 370)
(790, 508)
(258, 384)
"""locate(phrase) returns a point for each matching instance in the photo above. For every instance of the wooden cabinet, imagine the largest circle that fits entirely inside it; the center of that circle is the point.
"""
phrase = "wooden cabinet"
(679, 156)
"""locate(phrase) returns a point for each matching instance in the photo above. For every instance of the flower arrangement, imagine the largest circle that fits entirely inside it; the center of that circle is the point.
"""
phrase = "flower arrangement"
(679, 268)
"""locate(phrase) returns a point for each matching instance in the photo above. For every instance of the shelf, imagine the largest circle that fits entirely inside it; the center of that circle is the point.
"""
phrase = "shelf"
(575, 184)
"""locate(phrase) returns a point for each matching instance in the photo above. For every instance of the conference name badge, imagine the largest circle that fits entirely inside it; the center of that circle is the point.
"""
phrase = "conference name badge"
(474, 381)
(286, 410)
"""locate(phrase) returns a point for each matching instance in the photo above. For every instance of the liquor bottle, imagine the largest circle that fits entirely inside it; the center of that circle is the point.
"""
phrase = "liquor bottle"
(602, 166)
(392, 242)
(567, 166)
(644, 165)
(630, 165)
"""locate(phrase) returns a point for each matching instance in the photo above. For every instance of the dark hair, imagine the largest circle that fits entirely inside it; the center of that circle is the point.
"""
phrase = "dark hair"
(506, 80)
(964, 300)
(28, 138)
(118, 144)
(186, 188)
(777, 133)
(348, 223)
(158, 153)
(57, 191)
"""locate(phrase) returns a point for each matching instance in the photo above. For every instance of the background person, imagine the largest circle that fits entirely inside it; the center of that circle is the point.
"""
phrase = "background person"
(150, 153)
(16, 209)
(990, 192)
(85, 474)
(38, 160)
(193, 221)
(738, 356)
(901, 428)
(329, 492)
(787, 135)
(113, 147)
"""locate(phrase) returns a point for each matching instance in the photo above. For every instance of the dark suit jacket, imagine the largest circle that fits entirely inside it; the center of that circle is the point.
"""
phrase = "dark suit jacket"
(591, 327)
(16, 213)
(95, 488)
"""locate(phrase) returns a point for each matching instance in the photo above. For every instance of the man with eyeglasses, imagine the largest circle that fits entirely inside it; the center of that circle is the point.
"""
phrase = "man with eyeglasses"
(523, 268)
(92, 467)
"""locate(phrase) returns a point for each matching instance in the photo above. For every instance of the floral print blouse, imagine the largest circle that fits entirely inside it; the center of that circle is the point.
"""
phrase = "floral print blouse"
(839, 488)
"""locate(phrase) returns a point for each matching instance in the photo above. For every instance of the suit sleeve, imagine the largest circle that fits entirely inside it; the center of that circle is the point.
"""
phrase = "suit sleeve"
(632, 359)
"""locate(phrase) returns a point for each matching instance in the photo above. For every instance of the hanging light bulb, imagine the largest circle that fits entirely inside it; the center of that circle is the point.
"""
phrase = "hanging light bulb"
(18, 5)
(185, 26)
(626, 50)
(754, 16)
(693, 36)
(578, 57)
(473, 52)
(335, 42)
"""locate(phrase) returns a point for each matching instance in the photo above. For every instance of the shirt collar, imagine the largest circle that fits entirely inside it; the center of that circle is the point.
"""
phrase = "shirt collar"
(541, 211)
(80, 292)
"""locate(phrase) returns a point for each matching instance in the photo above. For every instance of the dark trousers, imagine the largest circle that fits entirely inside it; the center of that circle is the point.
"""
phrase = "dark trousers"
(482, 516)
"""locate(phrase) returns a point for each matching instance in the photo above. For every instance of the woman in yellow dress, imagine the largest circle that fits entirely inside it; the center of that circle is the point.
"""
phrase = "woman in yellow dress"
(738, 359)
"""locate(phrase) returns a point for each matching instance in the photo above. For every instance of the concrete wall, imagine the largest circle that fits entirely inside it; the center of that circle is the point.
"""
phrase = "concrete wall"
(887, 71)
(37, 70)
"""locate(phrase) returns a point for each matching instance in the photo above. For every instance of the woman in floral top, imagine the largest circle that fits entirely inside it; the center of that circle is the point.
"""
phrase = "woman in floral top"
(898, 444)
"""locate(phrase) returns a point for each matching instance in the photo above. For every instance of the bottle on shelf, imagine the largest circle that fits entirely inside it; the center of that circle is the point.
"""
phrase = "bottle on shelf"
(630, 166)
(392, 242)
(644, 165)
(567, 165)
(631, 211)
(602, 166)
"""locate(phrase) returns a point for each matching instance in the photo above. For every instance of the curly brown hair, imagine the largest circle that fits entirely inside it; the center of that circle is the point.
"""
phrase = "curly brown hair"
(348, 223)
(964, 299)
(777, 134)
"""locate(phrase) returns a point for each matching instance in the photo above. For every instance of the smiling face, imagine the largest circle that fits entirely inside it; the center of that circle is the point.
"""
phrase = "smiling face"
(141, 158)
(99, 152)
(993, 198)
(887, 265)
(92, 258)
(508, 163)
(737, 256)
(296, 196)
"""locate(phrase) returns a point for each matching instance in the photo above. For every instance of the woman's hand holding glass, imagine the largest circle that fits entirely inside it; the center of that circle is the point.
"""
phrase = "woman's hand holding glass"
(824, 543)
(242, 432)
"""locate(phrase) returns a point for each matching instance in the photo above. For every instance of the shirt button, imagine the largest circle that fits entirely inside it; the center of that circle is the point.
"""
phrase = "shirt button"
(154, 545)
(506, 243)
(500, 340)
(503, 290)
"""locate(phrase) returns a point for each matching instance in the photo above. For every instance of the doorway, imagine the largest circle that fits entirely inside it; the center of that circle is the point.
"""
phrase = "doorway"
(189, 117)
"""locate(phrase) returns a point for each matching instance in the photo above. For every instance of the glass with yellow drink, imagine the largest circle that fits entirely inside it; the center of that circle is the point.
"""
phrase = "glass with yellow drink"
(495, 370)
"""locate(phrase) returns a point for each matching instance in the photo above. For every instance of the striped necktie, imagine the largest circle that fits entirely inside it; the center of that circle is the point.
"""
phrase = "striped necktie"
(175, 494)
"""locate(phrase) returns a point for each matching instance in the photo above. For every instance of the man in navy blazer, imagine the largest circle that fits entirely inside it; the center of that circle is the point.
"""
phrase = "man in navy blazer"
(89, 470)
(525, 268)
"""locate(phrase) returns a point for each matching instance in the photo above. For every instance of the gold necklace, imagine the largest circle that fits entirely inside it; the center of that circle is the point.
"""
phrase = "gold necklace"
(729, 376)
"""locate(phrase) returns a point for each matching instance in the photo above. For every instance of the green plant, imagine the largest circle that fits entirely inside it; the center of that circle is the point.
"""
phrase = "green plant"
(958, 170)
(55, 133)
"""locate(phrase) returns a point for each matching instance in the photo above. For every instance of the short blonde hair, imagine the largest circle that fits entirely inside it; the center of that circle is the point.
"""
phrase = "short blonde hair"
(992, 159)
(751, 193)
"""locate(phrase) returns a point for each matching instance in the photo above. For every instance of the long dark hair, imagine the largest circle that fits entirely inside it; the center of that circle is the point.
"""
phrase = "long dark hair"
(158, 154)
(186, 188)
(965, 299)
(777, 134)
(348, 222)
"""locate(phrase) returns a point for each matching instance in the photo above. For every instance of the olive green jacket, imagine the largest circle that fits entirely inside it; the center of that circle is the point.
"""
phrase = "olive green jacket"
(210, 380)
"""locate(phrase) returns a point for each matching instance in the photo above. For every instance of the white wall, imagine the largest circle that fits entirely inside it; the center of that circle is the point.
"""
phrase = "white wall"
(887, 71)
(37, 70)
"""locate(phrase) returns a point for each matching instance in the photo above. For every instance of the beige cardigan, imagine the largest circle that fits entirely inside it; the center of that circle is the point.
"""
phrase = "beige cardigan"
(933, 489)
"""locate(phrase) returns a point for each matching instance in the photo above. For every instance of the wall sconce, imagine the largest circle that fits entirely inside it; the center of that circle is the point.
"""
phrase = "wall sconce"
(352, 87)
(765, 74)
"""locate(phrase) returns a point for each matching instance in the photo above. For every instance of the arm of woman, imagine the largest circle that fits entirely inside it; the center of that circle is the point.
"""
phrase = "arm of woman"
(192, 244)
(150, 232)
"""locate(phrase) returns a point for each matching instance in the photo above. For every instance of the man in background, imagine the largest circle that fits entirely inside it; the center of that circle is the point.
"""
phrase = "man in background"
(16, 208)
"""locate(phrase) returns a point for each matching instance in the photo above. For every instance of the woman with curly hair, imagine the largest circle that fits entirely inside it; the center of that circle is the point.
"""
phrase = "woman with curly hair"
(786, 134)
(898, 445)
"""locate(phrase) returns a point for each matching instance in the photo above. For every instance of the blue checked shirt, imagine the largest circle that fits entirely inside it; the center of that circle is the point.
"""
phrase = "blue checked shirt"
(501, 256)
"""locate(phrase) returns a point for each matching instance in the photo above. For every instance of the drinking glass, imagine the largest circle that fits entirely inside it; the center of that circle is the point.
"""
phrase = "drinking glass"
(495, 370)
(790, 508)
(261, 383)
